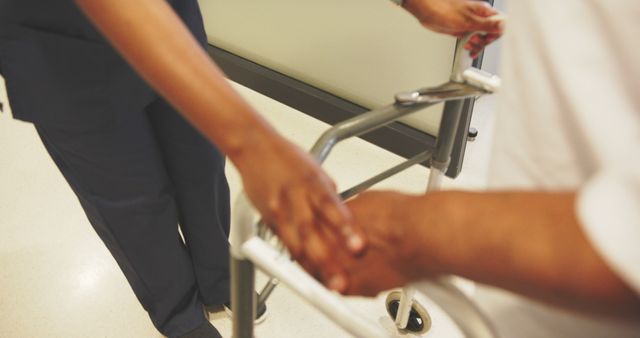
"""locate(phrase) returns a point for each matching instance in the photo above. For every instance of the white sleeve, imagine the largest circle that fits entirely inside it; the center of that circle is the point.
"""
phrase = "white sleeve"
(609, 210)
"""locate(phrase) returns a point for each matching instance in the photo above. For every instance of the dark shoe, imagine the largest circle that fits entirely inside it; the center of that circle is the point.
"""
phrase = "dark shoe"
(261, 312)
(205, 330)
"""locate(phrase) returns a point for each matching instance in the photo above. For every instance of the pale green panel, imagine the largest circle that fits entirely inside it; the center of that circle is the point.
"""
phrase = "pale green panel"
(362, 50)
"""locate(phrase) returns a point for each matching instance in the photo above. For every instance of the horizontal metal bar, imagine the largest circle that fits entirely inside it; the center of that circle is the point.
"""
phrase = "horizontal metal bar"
(361, 124)
(423, 156)
(381, 117)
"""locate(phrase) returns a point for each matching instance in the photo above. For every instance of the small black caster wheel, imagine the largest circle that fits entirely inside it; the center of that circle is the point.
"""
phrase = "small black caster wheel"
(419, 319)
(472, 134)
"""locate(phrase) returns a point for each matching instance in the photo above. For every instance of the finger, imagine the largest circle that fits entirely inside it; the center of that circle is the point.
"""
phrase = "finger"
(361, 284)
(283, 225)
(296, 219)
(318, 252)
(482, 45)
(316, 256)
(332, 212)
(477, 45)
(332, 206)
(489, 38)
(476, 39)
(473, 42)
(325, 196)
(273, 210)
(486, 25)
(481, 8)
(289, 236)
(301, 213)
(484, 18)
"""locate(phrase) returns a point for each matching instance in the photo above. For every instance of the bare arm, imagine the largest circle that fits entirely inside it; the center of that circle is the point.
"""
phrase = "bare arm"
(159, 46)
(527, 242)
(530, 243)
(285, 184)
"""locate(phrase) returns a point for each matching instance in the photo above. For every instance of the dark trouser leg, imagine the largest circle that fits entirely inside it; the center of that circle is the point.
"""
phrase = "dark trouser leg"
(119, 176)
(196, 169)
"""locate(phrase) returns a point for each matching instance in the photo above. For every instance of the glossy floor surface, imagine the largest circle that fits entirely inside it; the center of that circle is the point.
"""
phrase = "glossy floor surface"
(58, 280)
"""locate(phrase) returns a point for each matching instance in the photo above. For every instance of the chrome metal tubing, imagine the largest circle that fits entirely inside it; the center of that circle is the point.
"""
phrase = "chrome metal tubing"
(268, 289)
(242, 297)
(361, 124)
(421, 157)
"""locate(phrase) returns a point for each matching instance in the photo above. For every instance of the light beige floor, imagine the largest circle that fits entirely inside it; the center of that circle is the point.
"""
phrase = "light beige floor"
(58, 280)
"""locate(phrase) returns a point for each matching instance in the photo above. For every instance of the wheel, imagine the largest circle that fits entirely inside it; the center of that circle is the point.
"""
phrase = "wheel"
(419, 319)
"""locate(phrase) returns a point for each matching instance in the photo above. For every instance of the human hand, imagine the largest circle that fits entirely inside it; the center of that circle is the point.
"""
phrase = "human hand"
(299, 202)
(459, 17)
(393, 244)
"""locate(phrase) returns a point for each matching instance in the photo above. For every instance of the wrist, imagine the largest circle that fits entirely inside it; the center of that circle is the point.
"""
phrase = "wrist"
(263, 149)
(409, 5)
(422, 10)
(245, 144)
(417, 237)
(439, 241)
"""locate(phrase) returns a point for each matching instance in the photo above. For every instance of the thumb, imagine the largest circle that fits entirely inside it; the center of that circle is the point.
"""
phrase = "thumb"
(484, 18)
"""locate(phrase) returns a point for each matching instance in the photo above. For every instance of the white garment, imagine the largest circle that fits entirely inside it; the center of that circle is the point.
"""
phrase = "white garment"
(569, 119)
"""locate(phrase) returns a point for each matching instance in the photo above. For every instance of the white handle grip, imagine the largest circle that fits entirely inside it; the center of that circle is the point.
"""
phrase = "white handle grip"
(477, 78)
(462, 59)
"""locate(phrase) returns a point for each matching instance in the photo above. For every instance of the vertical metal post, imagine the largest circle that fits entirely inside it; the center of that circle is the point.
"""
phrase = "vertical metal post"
(446, 134)
(242, 297)
(439, 163)
(404, 307)
(243, 302)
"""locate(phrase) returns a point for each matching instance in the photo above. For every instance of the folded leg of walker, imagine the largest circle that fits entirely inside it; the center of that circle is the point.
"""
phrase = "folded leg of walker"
(251, 241)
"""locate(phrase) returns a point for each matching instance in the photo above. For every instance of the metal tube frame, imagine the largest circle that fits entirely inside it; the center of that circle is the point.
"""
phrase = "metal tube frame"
(250, 250)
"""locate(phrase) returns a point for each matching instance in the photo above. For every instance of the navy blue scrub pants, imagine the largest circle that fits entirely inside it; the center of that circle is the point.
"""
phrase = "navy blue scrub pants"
(139, 181)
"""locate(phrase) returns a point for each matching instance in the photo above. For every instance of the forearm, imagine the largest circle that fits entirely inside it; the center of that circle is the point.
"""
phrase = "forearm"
(529, 243)
(158, 45)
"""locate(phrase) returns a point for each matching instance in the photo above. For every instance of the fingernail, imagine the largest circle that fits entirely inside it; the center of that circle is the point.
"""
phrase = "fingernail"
(337, 283)
(355, 243)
